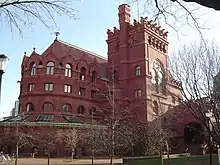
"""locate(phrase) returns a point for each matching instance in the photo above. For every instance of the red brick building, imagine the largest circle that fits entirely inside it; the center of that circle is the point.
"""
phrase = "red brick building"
(64, 78)
(60, 85)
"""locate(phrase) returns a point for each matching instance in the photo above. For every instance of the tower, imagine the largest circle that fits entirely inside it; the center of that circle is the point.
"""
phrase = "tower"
(137, 53)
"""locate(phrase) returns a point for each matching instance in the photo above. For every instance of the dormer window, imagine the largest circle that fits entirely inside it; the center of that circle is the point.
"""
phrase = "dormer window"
(50, 68)
(94, 76)
(68, 72)
(33, 69)
(137, 71)
(83, 73)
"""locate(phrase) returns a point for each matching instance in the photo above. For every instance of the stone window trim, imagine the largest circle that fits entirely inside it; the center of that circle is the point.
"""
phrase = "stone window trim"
(30, 107)
(137, 70)
(48, 107)
(82, 91)
(80, 109)
(93, 93)
(82, 74)
(94, 76)
(50, 68)
(33, 69)
(48, 87)
(138, 93)
(68, 70)
(155, 107)
(30, 87)
(67, 88)
(66, 107)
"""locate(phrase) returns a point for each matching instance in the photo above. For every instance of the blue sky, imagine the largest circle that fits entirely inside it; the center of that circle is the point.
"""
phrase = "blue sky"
(89, 32)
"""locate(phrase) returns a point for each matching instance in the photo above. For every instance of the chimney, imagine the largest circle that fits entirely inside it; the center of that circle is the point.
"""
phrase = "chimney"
(124, 14)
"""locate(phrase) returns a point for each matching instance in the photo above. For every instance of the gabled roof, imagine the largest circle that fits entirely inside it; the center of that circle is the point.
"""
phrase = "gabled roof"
(61, 49)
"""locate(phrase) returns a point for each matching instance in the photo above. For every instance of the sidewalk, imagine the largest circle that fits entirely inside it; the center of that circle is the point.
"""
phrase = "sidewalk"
(30, 161)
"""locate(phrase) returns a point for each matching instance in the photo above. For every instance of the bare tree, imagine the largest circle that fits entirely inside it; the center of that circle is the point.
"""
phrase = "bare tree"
(46, 139)
(72, 138)
(19, 137)
(22, 13)
(175, 14)
(116, 113)
(196, 67)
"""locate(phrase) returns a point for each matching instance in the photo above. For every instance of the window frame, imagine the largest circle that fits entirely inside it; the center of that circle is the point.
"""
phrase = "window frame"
(137, 70)
(50, 68)
(49, 89)
(48, 103)
(31, 87)
(68, 70)
(137, 93)
(30, 106)
(67, 88)
(33, 69)
(80, 91)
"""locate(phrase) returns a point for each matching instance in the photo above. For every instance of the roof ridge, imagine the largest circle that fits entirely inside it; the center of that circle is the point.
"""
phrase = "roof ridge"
(82, 49)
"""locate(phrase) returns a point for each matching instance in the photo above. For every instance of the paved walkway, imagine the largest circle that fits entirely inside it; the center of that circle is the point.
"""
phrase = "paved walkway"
(29, 161)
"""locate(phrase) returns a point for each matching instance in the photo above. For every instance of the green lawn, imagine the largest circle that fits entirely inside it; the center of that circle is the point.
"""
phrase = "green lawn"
(192, 160)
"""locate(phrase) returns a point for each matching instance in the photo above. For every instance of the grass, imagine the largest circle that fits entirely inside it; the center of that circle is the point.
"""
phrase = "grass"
(192, 160)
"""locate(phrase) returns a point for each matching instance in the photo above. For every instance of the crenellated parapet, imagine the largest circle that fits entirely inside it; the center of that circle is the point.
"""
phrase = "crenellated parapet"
(153, 27)
(114, 33)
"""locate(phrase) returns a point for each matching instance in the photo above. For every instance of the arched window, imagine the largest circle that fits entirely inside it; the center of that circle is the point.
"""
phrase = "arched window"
(48, 107)
(155, 107)
(40, 65)
(81, 109)
(33, 69)
(82, 73)
(50, 68)
(30, 107)
(137, 70)
(158, 77)
(94, 76)
(66, 108)
(92, 111)
(68, 71)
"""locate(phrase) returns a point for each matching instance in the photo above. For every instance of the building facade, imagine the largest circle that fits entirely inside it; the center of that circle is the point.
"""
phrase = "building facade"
(64, 79)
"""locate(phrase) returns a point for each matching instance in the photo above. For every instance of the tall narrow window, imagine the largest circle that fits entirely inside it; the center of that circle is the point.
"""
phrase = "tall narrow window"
(81, 109)
(67, 88)
(93, 93)
(137, 93)
(47, 107)
(94, 76)
(82, 91)
(33, 69)
(66, 108)
(137, 70)
(30, 87)
(155, 107)
(82, 73)
(30, 107)
(68, 72)
(48, 87)
(50, 68)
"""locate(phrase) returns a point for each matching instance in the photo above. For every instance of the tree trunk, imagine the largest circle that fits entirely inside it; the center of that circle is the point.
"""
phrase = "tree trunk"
(16, 157)
(168, 154)
(72, 154)
(161, 158)
(111, 160)
(48, 157)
